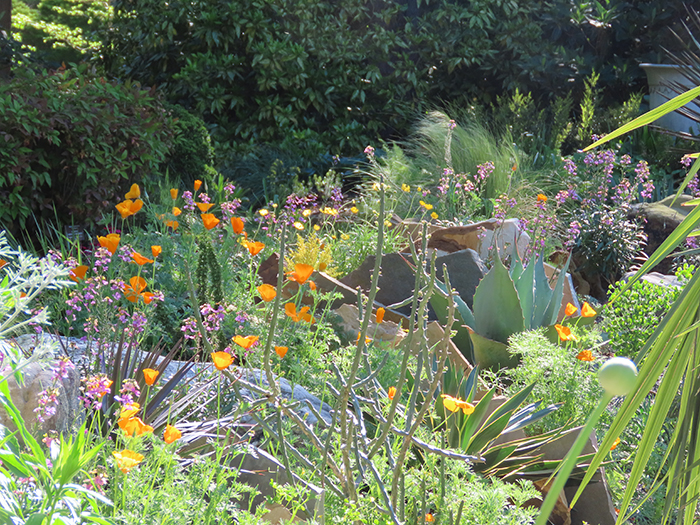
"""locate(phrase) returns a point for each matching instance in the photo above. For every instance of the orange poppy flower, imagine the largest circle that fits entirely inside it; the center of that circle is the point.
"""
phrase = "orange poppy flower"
(245, 342)
(3, 262)
(128, 207)
(267, 292)
(176, 211)
(172, 224)
(171, 434)
(429, 518)
(127, 459)
(173, 193)
(541, 198)
(222, 360)
(301, 273)
(281, 351)
(204, 206)
(570, 310)
(156, 250)
(587, 311)
(453, 404)
(129, 410)
(368, 340)
(78, 273)
(111, 242)
(380, 314)
(135, 289)
(210, 221)
(564, 333)
(291, 310)
(197, 185)
(585, 355)
(150, 376)
(140, 259)
(134, 192)
(392, 392)
(237, 225)
(615, 444)
(254, 247)
(312, 285)
(133, 426)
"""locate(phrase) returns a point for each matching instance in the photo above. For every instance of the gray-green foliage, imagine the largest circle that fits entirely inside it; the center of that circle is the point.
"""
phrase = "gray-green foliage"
(632, 318)
(559, 377)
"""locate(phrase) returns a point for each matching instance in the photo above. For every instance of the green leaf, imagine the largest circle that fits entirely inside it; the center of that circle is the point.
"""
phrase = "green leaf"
(491, 354)
(497, 311)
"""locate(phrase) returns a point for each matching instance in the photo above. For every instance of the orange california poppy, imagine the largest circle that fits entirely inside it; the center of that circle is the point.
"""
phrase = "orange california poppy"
(368, 340)
(128, 207)
(267, 292)
(453, 404)
(204, 206)
(127, 459)
(312, 285)
(587, 311)
(172, 224)
(615, 444)
(254, 247)
(585, 355)
(245, 342)
(171, 434)
(429, 518)
(129, 410)
(197, 185)
(281, 351)
(290, 310)
(3, 262)
(150, 376)
(222, 360)
(209, 220)
(111, 242)
(176, 211)
(237, 225)
(135, 289)
(564, 333)
(78, 273)
(380, 314)
(173, 193)
(301, 273)
(156, 250)
(392, 392)
(570, 310)
(140, 259)
(541, 198)
(134, 192)
(133, 426)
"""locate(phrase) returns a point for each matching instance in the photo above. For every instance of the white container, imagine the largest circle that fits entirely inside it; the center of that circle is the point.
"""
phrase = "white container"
(660, 77)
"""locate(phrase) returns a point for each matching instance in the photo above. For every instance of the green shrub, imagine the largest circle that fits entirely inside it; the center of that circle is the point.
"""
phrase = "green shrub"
(631, 319)
(72, 142)
(261, 71)
(561, 378)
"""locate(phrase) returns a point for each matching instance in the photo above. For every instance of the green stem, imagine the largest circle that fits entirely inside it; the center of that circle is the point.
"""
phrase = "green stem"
(570, 460)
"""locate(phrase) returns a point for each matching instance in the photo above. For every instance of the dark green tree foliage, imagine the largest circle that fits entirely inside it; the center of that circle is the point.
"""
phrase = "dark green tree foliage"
(342, 73)
(192, 153)
(72, 143)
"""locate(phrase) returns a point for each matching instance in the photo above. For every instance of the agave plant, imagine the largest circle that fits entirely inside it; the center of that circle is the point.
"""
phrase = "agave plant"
(505, 302)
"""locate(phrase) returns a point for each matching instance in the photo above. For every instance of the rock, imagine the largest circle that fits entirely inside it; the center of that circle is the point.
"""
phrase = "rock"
(37, 376)
(384, 332)
(465, 269)
(658, 221)
(658, 279)
(595, 504)
(561, 515)
(480, 237)
(278, 514)
(395, 281)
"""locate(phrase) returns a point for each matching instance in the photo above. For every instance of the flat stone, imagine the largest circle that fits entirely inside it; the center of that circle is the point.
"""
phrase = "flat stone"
(384, 332)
